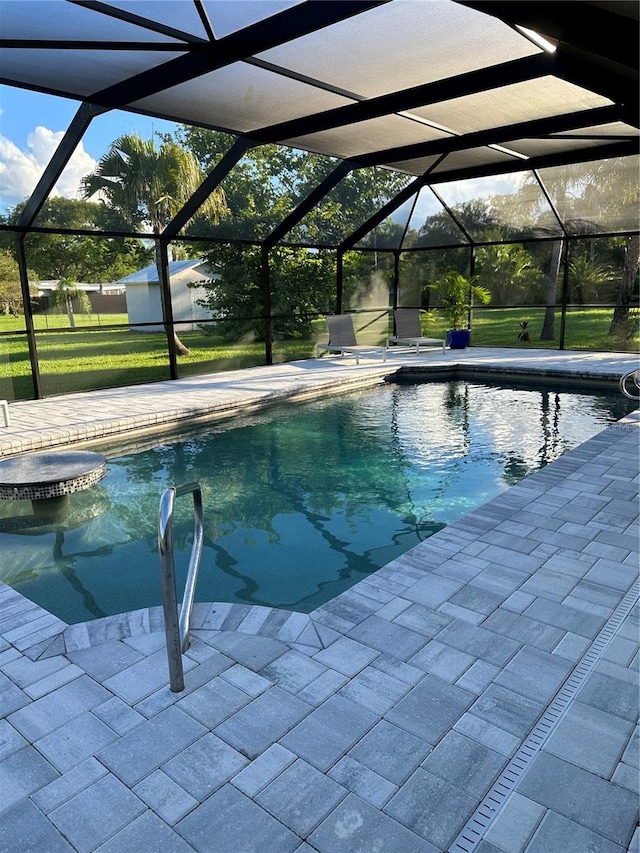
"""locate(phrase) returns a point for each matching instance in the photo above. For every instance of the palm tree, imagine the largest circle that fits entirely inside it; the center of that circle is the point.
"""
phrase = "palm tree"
(586, 278)
(148, 185)
(63, 296)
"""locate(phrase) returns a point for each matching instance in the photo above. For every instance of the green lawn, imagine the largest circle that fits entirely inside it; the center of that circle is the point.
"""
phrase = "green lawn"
(586, 328)
(87, 358)
(81, 359)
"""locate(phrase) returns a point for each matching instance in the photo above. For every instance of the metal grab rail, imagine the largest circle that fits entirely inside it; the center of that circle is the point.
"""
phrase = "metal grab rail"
(635, 376)
(176, 625)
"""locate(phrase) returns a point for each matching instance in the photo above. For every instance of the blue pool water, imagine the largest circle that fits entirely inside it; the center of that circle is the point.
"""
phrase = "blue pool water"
(300, 502)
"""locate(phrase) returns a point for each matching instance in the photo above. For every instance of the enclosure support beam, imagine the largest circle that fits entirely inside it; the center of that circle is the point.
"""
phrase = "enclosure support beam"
(472, 272)
(167, 307)
(28, 318)
(210, 183)
(339, 280)
(313, 199)
(266, 304)
(411, 189)
(565, 291)
(396, 277)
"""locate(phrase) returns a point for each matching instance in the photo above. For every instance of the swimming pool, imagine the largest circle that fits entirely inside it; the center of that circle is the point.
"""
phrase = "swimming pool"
(301, 501)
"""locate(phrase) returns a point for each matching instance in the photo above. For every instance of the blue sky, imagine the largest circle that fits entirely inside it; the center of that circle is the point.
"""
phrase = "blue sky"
(31, 126)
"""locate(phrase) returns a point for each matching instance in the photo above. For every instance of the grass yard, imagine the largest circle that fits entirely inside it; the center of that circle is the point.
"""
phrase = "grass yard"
(88, 358)
(83, 359)
(586, 328)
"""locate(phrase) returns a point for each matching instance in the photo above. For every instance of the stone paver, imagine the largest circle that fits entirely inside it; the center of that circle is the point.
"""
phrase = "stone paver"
(582, 797)
(430, 709)
(465, 763)
(356, 825)
(150, 744)
(229, 820)
(557, 833)
(301, 797)
(591, 739)
(329, 731)
(431, 807)
(96, 813)
(378, 721)
(390, 751)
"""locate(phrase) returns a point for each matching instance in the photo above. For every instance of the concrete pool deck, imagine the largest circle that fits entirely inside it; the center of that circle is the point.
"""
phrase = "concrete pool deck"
(494, 666)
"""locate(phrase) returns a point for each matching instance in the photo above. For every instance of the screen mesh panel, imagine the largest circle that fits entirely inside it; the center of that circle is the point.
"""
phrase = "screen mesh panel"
(58, 19)
(501, 208)
(484, 156)
(518, 102)
(365, 136)
(389, 234)
(229, 17)
(414, 43)
(598, 196)
(243, 98)
(431, 224)
(77, 75)
(350, 204)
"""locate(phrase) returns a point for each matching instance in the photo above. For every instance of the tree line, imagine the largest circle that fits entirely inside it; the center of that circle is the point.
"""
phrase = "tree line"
(139, 185)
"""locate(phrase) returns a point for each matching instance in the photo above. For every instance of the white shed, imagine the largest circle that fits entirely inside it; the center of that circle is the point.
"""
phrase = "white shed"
(144, 303)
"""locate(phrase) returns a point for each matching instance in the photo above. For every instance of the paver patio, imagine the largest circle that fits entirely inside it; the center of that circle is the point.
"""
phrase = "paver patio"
(379, 721)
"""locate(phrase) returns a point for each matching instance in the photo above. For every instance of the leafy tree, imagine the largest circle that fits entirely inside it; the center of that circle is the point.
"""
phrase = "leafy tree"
(302, 282)
(65, 294)
(10, 290)
(148, 185)
(78, 256)
(444, 229)
(605, 186)
(358, 196)
(612, 190)
(267, 184)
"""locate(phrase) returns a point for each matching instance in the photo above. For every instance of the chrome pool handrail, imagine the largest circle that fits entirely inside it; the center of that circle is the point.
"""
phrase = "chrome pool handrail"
(176, 625)
(635, 376)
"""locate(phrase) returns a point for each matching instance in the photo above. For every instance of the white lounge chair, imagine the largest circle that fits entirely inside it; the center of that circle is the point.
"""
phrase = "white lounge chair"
(342, 339)
(407, 327)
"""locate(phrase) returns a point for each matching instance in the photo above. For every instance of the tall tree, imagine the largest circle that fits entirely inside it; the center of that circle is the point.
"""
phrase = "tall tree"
(148, 184)
(586, 191)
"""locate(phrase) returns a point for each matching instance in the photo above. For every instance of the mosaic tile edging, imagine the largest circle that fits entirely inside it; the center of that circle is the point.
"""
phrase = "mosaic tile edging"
(55, 489)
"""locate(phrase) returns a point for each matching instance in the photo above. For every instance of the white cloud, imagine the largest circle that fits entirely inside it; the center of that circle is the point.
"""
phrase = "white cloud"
(20, 169)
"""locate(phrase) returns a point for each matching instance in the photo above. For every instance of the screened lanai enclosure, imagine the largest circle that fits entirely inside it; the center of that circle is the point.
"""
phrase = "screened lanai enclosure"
(312, 158)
